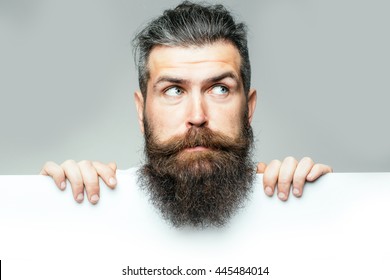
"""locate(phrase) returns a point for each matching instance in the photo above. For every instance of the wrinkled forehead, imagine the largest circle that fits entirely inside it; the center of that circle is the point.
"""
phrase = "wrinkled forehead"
(194, 62)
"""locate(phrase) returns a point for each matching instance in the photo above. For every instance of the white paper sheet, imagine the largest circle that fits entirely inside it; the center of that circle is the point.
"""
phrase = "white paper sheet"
(339, 229)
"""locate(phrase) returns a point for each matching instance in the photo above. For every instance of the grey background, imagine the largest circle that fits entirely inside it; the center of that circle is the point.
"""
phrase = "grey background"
(67, 79)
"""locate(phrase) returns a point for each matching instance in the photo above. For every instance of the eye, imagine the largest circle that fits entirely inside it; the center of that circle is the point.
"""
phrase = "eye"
(174, 91)
(220, 90)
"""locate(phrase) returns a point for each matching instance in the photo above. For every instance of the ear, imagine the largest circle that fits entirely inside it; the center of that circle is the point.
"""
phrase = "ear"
(139, 104)
(252, 98)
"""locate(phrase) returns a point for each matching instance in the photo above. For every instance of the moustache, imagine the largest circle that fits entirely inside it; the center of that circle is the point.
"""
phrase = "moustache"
(194, 137)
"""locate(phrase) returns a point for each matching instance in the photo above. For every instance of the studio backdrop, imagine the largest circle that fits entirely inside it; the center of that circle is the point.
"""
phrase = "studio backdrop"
(67, 78)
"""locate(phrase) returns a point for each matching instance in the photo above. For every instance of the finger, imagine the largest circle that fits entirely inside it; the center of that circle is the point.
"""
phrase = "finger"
(72, 172)
(112, 165)
(55, 171)
(261, 166)
(270, 177)
(303, 169)
(285, 178)
(90, 180)
(317, 171)
(106, 172)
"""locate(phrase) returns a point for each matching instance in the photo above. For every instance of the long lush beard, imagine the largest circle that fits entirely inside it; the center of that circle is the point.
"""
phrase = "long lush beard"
(198, 188)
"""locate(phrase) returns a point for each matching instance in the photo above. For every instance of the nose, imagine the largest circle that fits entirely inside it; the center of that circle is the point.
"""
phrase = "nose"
(197, 115)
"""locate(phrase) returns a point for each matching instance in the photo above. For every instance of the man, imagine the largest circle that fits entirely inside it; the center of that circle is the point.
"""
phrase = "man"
(195, 106)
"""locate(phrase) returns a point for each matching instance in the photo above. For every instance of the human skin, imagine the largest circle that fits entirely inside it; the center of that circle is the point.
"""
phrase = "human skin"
(191, 86)
(194, 86)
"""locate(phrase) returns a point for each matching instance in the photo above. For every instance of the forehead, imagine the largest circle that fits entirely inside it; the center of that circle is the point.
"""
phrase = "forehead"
(194, 62)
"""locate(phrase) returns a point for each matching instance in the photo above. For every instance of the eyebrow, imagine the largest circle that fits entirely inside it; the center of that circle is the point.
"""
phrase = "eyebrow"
(180, 81)
(223, 76)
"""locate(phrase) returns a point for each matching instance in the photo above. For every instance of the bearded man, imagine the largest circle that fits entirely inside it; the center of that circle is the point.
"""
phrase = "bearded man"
(195, 106)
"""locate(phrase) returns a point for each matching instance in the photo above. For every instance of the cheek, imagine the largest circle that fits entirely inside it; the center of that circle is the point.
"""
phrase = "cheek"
(228, 120)
(164, 122)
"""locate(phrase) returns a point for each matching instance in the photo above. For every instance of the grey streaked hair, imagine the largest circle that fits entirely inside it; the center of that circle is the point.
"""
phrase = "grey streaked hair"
(191, 24)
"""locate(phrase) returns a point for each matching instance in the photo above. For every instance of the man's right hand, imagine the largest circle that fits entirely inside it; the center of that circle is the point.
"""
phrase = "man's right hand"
(83, 174)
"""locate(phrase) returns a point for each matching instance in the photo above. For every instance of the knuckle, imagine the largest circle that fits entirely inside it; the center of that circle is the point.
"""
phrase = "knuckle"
(299, 182)
(290, 159)
(78, 183)
(316, 167)
(57, 174)
(107, 175)
(283, 188)
(103, 170)
(96, 162)
(49, 167)
(91, 183)
(275, 162)
(84, 163)
(268, 182)
(68, 162)
(307, 159)
(109, 171)
(284, 182)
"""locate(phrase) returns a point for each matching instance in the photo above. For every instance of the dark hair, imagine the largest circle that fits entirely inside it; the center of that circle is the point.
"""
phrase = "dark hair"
(191, 24)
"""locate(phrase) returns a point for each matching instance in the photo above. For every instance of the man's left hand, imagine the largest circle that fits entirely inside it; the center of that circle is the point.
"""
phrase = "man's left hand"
(289, 173)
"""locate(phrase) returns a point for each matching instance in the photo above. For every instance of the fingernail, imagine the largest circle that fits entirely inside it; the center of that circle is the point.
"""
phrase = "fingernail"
(309, 177)
(268, 191)
(62, 185)
(295, 191)
(281, 195)
(80, 197)
(94, 198)
(112, 181)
